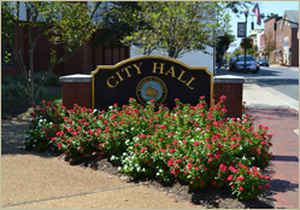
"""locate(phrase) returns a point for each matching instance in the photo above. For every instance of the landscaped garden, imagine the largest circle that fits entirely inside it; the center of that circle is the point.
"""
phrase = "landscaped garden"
(195, 146)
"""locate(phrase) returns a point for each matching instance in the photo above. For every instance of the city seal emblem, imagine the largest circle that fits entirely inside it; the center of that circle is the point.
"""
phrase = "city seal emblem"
(151, 88)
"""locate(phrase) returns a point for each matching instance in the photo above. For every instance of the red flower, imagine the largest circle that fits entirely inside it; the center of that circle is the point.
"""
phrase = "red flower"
(196, 143)
(222, 167)
(59, 146)
(224, 110)
(170, 162)
(189, 165)
(241, 188)
(172, 150)
(267, 185)
(143, 150)
(210, 160)
(216, 156)
(209, 146)
(260, 187)
(232, 169)
(240, 178)
(223, 97)
(214, 182)
(178, 161)
(163, 150)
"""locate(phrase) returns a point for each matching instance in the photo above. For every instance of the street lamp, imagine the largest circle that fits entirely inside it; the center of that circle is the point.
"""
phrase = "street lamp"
(246, 12)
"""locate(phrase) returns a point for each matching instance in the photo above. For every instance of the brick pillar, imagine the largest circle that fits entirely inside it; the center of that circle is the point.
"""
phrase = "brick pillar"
(232, 88)
(77, 89)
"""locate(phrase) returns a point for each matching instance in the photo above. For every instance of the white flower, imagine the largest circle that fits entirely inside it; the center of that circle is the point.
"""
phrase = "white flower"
(110, 107)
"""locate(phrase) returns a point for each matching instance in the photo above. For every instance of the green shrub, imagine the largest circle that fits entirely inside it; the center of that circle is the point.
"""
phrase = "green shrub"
(194, 145)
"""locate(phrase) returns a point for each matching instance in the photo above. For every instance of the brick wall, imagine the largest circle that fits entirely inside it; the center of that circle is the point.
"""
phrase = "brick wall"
(234, 97)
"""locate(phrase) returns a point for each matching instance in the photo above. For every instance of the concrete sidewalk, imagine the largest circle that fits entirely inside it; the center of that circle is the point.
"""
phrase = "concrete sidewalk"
(293, 68)
(30, 181)
(266, 97)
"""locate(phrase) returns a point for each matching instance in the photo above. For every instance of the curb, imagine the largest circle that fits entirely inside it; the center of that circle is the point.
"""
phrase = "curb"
(266, 80)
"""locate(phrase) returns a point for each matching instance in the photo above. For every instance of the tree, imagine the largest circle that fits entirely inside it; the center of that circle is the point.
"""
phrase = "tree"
(174, 27)
(67, 23)
(222, 46)
(247, 43)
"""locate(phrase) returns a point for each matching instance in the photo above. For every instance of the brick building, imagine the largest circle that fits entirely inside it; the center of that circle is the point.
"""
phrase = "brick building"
(281, 36)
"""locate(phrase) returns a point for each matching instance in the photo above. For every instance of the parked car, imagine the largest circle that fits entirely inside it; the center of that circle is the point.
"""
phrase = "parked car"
(263, 62)
(238, 64)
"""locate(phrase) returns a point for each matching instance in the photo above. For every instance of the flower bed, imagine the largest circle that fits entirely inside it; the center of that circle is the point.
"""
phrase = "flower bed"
(193, 145)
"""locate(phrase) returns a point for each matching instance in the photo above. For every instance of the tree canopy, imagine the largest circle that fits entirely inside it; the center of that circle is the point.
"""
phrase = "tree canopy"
(173, 27)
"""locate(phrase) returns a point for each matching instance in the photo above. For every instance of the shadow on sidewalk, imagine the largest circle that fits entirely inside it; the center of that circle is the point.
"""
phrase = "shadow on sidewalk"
(285, 158)
(13, 134)
(272, 113)
(261, 72)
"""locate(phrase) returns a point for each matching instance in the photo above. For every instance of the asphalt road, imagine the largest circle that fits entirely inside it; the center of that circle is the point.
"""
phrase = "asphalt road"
(282, 79)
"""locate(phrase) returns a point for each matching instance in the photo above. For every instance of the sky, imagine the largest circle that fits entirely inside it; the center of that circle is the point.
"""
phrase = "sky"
(266, 7)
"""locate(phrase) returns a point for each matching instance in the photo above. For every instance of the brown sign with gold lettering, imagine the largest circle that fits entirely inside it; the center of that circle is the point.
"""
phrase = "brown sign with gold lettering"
(150, 78)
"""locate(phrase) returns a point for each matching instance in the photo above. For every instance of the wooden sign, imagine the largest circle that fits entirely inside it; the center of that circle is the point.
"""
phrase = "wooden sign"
(150, 78)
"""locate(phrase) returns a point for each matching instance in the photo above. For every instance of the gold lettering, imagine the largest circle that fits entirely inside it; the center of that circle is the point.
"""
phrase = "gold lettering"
(171, 71)
(189, 83)
(138, 68)
(180, 77)
(109, 80)
(155, 68)
(127, 71)
(120, 77)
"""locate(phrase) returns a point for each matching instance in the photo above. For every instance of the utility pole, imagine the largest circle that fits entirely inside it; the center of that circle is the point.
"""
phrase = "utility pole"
(245, 40)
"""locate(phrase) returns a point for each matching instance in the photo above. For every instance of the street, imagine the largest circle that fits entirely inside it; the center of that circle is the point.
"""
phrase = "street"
(281, 79)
